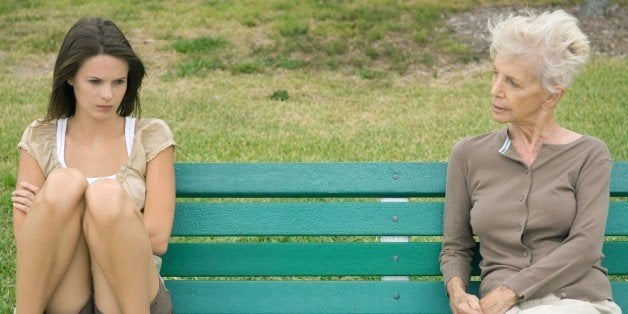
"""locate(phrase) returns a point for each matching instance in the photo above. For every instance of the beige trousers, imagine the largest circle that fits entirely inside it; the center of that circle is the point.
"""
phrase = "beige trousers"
(552, 304)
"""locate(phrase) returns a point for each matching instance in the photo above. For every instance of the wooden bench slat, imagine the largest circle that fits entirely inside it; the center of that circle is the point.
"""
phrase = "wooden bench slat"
(310, 179)
(619, 178)
(328, 219)
(394, 179)
(620, 291)
(308, 297)
(300, 259)
(320, 296)
(326, 259)
(616, 255)
(355, 218)
(617, 221)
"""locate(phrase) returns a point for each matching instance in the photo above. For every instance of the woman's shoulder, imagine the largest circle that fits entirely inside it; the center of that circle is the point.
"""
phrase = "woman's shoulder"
(40, 129)
(147, 123)
(594, 146)
(153, 135)
(41, 124)
(152, 127)
(39, 140)
(488, 140)
(594, 141)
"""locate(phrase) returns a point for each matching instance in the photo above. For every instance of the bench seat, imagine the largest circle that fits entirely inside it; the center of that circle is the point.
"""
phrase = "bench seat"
(326, 238)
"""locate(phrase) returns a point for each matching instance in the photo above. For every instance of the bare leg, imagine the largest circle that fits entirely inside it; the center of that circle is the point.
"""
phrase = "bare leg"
(76, 282)
(120, 250)
(47, 241)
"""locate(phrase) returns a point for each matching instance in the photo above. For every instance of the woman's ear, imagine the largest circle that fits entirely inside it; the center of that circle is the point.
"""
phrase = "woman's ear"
(71, 81)
(553, 98)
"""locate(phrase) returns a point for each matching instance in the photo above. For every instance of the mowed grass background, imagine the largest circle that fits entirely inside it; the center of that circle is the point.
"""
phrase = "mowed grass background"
(283, 80)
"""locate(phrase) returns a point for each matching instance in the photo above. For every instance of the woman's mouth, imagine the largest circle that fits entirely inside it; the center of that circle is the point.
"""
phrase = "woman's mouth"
(497, 108)
(104, 107)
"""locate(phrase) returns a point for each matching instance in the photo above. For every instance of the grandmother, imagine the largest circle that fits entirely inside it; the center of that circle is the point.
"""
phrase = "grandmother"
(535, 194)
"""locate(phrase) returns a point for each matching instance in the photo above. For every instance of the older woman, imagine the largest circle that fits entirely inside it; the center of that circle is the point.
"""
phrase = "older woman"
(534, 193)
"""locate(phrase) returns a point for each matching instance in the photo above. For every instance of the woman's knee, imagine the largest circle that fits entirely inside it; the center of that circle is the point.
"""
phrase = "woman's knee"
(63, 192)
(107, 202)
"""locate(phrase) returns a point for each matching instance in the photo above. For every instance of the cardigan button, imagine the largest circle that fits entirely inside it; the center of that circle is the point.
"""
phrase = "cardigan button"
(525, 253)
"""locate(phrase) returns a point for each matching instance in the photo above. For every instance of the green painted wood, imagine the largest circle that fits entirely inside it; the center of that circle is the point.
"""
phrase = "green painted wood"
(310, 179)
(617, 221)
(300, 259)
(321, 296)
(326, 259)
(330, 218)
(619, 178)
(620, 293)
(616, 255)
(308, 297)
(289, 218)
(326, 180)
(392, 179)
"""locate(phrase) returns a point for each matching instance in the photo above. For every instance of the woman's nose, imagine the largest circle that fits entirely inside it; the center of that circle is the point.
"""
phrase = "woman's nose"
(496, 88)
(106, 92)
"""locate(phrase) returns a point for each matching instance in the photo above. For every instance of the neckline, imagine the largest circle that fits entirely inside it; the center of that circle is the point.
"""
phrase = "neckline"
(507, 142)
(62, 125)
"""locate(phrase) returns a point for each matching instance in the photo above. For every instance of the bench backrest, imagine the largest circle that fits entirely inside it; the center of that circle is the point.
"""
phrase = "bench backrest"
(305, 237)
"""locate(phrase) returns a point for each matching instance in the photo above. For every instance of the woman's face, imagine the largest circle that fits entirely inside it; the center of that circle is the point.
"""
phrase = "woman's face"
(99, 86)
(517, 95)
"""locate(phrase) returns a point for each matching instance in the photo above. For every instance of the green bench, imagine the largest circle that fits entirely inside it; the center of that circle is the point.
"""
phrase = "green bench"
(326, 238)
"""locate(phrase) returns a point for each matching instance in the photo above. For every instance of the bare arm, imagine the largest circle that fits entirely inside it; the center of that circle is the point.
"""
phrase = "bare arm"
(160, 199)
(29, 179)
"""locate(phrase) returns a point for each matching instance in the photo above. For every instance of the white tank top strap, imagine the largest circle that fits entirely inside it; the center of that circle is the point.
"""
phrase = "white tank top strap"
(129, 133)
(62, 125)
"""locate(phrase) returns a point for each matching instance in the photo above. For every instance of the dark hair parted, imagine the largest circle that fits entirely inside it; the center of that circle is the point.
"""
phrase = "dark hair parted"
(87, 38)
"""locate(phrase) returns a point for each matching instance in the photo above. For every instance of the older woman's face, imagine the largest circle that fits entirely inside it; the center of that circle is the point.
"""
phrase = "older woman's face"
(517, 93)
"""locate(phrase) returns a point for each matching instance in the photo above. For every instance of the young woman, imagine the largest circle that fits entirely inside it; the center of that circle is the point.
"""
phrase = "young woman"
(94, 201)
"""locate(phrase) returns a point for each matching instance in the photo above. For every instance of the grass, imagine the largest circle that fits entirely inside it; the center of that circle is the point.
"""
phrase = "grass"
(286, 81)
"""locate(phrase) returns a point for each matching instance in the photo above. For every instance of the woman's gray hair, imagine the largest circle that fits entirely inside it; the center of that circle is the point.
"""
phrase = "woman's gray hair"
(552, 38)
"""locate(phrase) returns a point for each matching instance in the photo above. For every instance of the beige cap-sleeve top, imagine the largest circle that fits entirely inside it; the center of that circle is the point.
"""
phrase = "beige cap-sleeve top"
(145, 138)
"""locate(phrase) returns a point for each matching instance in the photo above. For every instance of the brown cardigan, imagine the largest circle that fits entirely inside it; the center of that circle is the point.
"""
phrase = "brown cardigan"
(541, 228)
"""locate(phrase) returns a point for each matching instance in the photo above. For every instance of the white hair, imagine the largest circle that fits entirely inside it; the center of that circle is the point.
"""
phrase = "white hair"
(554, 39)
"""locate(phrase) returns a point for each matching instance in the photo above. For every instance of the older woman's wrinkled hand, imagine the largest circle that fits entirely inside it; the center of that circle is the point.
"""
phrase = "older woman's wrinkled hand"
(498, 301)
(460, 301)
(464, 303)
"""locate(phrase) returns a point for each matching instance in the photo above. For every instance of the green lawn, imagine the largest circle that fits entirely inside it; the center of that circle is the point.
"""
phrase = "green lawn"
(287, 81)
